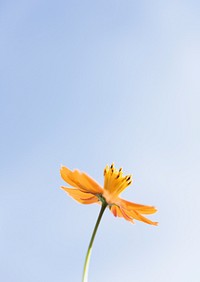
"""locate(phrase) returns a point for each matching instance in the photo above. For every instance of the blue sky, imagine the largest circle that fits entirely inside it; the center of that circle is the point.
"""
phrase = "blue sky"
(83, 84)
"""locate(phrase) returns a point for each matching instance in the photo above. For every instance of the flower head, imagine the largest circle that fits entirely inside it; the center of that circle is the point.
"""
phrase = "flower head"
(87, 191)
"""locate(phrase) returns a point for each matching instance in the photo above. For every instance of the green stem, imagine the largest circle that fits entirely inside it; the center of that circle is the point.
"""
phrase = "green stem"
(87, 258)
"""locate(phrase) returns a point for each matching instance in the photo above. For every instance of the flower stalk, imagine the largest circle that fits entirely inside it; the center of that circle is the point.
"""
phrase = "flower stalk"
(88, 254)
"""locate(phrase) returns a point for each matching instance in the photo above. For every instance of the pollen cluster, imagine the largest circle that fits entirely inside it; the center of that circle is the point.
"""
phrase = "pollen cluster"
(114, 182)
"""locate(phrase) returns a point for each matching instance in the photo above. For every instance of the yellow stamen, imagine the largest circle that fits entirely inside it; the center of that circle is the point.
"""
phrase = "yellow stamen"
(114, 182)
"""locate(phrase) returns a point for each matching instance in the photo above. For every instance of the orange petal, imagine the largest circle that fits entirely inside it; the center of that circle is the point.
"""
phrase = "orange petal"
(81, 197)
(117, 212)
(66, 175)
(138, 216)
(130, 211)
(80, 180)
(91, 183)
(125, 215)
(143, 209)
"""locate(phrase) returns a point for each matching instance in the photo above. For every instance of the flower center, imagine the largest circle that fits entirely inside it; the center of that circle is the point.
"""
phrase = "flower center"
(114, 183)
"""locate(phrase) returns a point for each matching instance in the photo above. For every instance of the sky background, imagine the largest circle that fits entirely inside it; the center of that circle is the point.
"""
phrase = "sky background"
(85, 84)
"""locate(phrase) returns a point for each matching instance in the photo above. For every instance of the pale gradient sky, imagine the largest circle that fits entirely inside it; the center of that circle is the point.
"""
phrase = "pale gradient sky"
(83, 84)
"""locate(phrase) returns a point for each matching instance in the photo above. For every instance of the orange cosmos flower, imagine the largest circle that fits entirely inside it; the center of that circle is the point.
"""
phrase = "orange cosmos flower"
(87, 191)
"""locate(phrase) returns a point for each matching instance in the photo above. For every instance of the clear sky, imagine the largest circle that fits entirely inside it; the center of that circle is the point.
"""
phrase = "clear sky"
(83, 84)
